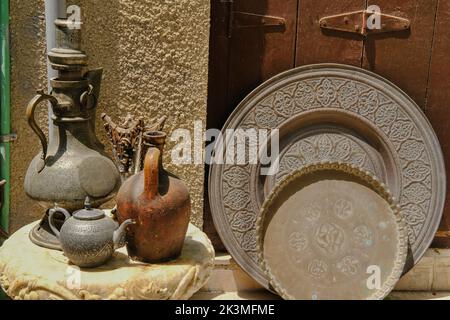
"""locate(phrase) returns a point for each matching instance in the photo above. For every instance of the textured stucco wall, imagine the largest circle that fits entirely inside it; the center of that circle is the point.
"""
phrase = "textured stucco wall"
(155, 56)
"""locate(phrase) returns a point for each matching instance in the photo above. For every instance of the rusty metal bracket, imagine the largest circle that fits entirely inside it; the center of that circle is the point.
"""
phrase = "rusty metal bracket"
(251, 20)
(228, 19)
(357, 22)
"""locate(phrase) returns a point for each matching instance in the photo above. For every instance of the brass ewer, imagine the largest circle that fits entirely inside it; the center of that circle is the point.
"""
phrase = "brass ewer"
(72, 164)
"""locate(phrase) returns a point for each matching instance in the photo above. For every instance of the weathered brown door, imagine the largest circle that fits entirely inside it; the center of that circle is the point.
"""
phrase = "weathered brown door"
(437, 101)
(252, 40)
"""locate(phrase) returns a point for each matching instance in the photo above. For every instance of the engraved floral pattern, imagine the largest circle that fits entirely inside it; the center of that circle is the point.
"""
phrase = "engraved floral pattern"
(411, 150)
(297, 242)
(401, 130)
(417, 192)
(266, 117)
(249, 241)
(317, 268)
(348, 266)
(303, 96)
(312, 212)
(284, 103)
(413, 214)
(326, 93)
(348, 95)
(386, 115)
(368, 103)
(236, 176)
(242, 221)
(236, 200)
(363, 236)
(417, 171)
(343, 209)
(330, 237)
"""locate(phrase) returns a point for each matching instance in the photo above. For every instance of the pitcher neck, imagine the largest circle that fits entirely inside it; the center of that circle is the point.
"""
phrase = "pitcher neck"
(72, 130)
(154, 139)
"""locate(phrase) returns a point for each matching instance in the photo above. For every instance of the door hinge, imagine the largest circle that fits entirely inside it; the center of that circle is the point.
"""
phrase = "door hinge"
(8, 137)
(362, 22)
(251, 20)
(233, 20)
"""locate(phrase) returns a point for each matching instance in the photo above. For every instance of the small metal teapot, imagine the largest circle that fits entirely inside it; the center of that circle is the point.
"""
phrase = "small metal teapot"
(88, 237)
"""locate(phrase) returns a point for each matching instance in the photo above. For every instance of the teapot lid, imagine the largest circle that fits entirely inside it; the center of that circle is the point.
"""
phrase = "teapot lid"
(89, 213)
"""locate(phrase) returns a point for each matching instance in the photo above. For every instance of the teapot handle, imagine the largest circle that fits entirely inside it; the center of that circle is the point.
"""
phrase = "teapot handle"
(52, 213)
(40, 97)
(151, 172)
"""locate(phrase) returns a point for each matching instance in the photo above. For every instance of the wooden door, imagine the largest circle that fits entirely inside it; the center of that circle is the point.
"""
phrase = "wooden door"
(251, 41)
(437, 102)
(416, 60)
(402, 57)
(315, 45)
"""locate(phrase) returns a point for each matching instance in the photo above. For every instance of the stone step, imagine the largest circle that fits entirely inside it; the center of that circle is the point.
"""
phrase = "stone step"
(239, 295)
(431, 274)
(265, 295)
(419, 295)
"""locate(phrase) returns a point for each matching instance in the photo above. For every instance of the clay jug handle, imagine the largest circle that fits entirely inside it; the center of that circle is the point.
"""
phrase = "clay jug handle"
(40, 97)
(151, 171)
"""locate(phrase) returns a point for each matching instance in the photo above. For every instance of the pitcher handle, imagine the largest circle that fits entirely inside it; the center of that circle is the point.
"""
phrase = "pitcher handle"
(52, 213)
(151, 172)
(40, 97)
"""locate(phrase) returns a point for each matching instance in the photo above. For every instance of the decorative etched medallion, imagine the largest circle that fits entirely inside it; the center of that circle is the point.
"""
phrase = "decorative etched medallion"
(326, 92)
(311, 212)
(330, 238)
(363, 236)
(297, 242)
(348, 266)
(317, 269)
(374, 126)
(343, 209)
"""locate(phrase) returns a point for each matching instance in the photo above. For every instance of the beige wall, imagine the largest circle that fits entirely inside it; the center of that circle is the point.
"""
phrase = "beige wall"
(155, 56)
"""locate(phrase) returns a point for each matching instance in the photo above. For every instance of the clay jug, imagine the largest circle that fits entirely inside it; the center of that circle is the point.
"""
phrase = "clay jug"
(160, 204)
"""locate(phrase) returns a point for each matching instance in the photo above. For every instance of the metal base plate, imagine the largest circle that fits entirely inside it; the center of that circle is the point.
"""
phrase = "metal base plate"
(43, 236)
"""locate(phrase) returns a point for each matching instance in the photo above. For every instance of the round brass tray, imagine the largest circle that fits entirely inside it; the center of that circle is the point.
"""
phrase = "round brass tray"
(331, 231)
(340, 113)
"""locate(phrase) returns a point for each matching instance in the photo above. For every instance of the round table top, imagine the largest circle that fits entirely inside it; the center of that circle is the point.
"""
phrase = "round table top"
(31, 272)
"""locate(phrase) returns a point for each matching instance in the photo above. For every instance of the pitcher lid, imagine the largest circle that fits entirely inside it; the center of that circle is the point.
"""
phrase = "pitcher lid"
(89, 213)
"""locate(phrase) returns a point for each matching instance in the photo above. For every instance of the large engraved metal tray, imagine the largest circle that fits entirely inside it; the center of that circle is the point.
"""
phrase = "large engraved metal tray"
(331, 112)
(331, 231)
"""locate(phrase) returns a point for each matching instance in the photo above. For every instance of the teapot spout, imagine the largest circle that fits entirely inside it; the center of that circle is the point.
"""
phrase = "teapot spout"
(120, 233)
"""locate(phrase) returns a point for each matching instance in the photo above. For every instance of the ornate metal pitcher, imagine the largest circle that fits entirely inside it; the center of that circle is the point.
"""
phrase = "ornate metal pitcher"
(72, 164)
